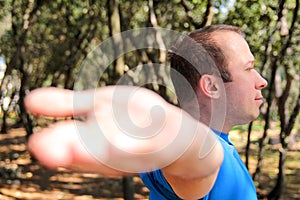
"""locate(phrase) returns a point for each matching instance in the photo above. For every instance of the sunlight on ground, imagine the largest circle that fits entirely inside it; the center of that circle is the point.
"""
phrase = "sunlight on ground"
(269, 172)
(23, 179)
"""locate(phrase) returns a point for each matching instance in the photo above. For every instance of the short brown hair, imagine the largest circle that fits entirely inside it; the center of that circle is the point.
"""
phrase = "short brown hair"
(197, 53)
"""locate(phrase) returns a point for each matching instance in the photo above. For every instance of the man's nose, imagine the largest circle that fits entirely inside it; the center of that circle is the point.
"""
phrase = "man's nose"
(261, 82)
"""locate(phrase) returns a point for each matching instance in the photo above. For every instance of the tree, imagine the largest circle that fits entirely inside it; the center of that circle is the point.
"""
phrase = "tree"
(45, 42)
(275, 59)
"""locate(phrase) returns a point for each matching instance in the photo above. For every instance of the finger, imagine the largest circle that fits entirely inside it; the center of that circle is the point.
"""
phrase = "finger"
(57, 102)
(52, 145)
(60, 145)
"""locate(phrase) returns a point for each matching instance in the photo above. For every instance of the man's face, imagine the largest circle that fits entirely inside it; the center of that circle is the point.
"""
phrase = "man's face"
(243, 94)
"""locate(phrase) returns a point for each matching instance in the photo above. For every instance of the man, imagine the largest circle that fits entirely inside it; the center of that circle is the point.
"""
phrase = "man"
(179, 156)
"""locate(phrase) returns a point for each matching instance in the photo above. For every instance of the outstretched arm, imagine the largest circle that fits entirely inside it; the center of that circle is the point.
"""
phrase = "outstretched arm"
(126, 130)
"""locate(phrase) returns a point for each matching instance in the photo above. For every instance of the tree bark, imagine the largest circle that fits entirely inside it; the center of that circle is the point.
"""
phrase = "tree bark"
(273, 67)
(128, 188)
(247, 150)
(17, 60)
(278, 189)
(286, 122)
(115, 28)
(207, 18)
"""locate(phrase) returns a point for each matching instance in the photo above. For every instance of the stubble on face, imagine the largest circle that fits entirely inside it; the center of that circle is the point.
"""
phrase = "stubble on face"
(242, 106)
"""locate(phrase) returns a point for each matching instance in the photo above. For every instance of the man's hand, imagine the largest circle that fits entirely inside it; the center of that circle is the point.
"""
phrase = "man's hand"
(126, 129)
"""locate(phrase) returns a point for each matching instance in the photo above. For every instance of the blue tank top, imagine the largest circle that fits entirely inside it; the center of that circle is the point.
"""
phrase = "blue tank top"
(233, 182)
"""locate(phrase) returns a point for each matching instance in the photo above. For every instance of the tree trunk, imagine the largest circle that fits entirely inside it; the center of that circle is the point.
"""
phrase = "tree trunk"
(209, 14)
(207, 18)
(4, 126)
(278, 189)
(119, 63)
(266, 119)
(25, 118)
(128, 188)
(273, 65)
(115, 28)
(287, 120)
(247, 150)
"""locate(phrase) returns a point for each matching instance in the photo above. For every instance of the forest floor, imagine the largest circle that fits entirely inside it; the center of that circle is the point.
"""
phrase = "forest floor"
(22, 178)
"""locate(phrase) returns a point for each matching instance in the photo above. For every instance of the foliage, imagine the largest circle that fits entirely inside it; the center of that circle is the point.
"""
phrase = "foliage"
(44, 43)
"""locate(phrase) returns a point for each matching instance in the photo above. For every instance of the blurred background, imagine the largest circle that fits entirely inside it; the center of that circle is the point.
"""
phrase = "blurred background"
(43, 43)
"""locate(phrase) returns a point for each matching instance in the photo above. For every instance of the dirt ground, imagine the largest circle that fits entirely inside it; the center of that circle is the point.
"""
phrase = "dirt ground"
(22, 178)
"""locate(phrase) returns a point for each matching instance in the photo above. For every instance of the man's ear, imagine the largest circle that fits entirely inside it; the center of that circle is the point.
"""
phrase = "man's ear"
(209, 86)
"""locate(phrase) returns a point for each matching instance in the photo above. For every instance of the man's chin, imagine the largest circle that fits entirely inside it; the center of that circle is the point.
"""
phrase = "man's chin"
(247, 121)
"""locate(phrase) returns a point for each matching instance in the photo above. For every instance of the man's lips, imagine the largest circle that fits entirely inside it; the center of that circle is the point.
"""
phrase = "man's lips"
(260, 99)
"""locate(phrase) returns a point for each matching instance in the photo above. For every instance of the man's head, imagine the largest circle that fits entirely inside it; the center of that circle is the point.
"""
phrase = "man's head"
(199, 54)
(209, 60)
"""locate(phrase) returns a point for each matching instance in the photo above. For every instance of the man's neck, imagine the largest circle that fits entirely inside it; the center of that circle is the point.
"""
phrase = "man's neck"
(216, 125)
